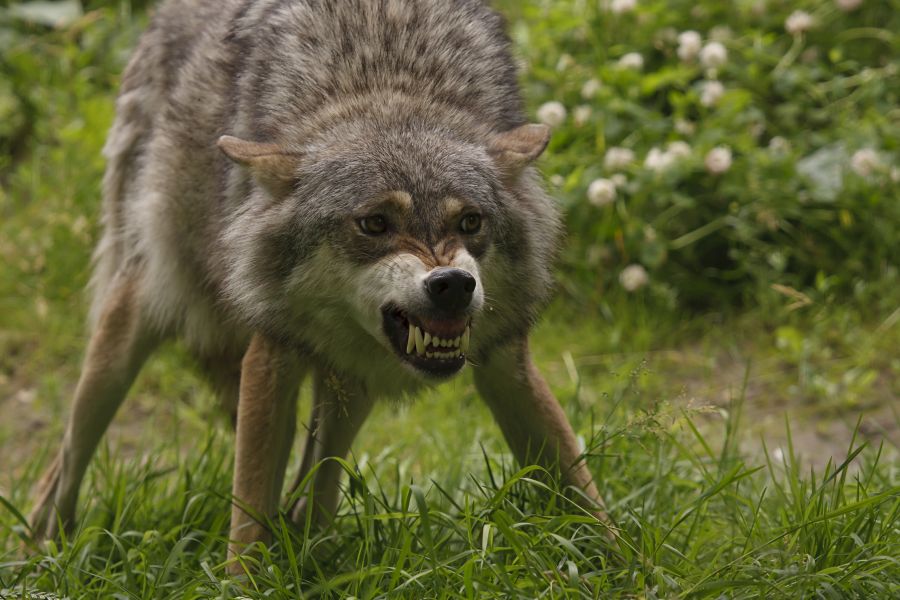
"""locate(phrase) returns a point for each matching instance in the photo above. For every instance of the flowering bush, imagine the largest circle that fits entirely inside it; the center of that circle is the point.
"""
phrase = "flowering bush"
(717, 149)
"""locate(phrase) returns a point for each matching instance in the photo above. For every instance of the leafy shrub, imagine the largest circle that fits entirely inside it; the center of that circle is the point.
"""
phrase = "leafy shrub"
(764, 142)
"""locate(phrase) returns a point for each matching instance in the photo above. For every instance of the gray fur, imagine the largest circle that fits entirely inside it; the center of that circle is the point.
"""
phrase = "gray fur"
(372, 95)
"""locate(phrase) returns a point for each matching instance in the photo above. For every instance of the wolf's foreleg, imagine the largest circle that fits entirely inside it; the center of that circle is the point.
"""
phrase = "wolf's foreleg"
(266, 419)
(532, 421)
(339, 411)
(118, 348)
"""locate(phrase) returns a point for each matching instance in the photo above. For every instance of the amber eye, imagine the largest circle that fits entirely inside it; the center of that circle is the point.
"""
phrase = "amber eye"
(374, 225)
(470, 224)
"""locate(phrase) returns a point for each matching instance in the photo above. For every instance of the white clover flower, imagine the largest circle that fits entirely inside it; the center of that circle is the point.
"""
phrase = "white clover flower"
(711, 92)
(713, 55)
(678, 149)
(565, 62)
(552, 113)
(590, 88)
(718, 160)
(622, 6)
(685, 127)
(633, 278)
(601, 192)
(619, 180)
(581, 114)
(779, 145)
(798, 22)
(848, 5)
(632, 60)
(617, 158)
(865, 162)
(658, 161)
(689, 44)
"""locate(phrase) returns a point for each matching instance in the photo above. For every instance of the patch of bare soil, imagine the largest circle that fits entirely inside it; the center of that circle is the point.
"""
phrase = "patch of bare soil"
(769, 408)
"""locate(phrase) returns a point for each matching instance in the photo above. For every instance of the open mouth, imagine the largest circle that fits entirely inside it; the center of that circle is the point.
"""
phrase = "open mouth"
(436, 346)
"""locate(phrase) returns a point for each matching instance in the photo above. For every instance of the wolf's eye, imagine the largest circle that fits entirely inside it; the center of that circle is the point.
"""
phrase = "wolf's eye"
(374, 225)
(470, 224)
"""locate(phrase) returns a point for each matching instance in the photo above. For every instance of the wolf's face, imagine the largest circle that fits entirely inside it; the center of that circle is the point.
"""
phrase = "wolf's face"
(419, 285)
(394, 232)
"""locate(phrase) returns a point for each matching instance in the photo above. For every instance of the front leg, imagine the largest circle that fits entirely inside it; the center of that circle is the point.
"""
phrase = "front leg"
(270, 378)
(532, 421)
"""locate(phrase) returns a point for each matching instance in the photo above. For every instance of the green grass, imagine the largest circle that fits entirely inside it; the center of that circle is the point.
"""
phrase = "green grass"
(704, 522)
(683, 413)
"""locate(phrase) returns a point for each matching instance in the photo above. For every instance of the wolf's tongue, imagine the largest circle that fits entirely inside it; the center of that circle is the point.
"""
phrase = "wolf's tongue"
(445, 328)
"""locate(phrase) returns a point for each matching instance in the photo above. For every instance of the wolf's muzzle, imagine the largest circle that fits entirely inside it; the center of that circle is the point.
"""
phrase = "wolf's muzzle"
(450, 289)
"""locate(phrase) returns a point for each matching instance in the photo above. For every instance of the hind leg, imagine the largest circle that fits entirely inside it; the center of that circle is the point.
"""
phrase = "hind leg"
(118, 347)
(339, 411)
(223, 373)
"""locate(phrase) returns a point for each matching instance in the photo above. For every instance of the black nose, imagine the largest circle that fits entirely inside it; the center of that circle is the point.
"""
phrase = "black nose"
(450, 289)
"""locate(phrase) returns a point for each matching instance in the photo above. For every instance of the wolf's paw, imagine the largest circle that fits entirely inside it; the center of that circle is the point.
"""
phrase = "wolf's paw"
(44, 519)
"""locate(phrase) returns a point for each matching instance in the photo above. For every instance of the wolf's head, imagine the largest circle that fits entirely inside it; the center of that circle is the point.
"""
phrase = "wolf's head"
(406, 236)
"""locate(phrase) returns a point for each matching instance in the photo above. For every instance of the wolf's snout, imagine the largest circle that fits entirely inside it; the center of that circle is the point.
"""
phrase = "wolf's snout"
(450, 289)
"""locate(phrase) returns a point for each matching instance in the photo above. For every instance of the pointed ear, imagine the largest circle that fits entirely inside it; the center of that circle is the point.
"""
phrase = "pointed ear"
(271, 165)
(515, 149)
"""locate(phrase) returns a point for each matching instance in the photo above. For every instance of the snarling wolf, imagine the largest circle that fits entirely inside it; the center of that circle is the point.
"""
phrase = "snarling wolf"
(334, 189)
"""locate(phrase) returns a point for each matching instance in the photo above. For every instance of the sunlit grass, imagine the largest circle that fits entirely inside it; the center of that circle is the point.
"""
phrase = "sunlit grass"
(695, 522)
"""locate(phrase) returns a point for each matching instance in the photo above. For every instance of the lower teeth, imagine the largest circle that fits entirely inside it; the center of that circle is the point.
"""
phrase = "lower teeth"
(442, 355)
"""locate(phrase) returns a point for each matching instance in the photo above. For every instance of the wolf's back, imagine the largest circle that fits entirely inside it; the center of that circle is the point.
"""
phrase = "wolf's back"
(296, 56)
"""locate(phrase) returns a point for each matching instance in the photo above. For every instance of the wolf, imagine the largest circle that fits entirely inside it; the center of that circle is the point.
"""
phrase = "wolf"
(335, 190)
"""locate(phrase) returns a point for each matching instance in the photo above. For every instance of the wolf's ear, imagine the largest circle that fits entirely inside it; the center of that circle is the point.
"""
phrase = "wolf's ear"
(272, 165)
(515, 149)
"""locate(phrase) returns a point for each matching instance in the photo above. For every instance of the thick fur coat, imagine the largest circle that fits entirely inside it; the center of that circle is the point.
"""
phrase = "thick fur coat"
(373, 94)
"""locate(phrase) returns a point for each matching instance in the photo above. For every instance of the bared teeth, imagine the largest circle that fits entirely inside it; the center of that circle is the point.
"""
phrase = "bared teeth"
(420, 342)
(411, 339)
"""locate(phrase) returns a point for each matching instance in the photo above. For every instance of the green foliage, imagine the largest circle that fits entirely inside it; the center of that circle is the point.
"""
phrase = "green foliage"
(796, 206)
(58, 86)
(693, 524)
